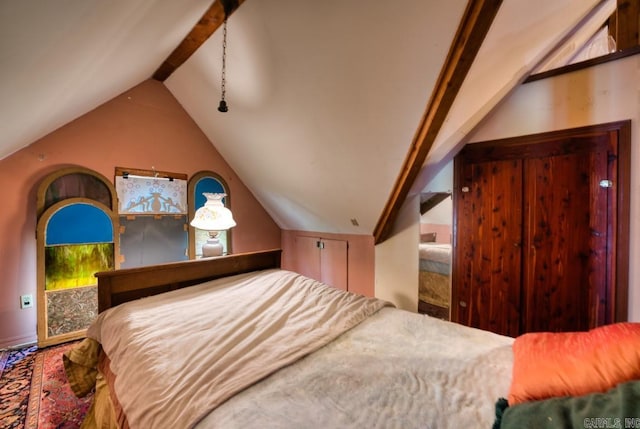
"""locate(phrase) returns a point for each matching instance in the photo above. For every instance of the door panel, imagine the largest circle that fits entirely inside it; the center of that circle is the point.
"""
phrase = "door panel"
(308, 256)
(565, 240)
(333, 263)
(490, 224)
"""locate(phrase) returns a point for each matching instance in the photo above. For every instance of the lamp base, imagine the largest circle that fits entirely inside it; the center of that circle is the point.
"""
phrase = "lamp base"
(211, 248)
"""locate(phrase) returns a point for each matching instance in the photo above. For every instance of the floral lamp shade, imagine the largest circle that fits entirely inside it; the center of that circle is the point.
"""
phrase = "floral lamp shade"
(213, 217)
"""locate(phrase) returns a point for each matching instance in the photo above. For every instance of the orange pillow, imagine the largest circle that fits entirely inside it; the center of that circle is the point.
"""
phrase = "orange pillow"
(547, 364)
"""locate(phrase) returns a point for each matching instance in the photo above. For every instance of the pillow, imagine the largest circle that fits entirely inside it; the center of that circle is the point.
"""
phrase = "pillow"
(547, 364)
(620, 404)
(428, 237)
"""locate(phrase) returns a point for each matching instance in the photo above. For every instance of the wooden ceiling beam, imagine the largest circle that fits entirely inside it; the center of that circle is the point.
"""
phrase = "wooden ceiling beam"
(433, 201)
(473, 28)
(212, 19)
(626, 23)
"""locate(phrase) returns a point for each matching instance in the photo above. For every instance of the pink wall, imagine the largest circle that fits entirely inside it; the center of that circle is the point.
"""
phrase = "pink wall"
(144, 127)
(443, 232)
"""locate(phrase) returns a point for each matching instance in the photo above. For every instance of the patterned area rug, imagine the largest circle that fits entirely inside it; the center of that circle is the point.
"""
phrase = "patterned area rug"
(34, 392)
(15, 379)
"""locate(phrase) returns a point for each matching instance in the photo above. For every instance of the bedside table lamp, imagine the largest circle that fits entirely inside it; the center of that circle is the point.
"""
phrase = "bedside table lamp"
(213, 217)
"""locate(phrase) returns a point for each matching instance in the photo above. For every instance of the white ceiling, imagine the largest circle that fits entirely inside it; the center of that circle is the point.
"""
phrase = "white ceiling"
(324, 97)
(60, 59)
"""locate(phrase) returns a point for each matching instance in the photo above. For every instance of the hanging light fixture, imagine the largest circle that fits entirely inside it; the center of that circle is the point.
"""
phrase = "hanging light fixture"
(222, 107)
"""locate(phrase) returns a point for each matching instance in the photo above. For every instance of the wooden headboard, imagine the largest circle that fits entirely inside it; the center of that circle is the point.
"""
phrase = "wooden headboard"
(118, 286)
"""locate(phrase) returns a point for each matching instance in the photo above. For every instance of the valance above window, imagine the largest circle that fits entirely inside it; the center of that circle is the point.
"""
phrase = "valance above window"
(151, 195)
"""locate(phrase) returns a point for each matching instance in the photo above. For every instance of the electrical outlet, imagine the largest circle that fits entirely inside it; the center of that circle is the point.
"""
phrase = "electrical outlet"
(26, 301)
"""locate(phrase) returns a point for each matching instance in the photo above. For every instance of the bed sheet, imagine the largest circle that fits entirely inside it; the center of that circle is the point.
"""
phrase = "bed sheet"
(435, 257)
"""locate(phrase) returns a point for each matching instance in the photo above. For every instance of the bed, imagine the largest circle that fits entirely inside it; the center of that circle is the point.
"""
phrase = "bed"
(434, 278)
(237, 342)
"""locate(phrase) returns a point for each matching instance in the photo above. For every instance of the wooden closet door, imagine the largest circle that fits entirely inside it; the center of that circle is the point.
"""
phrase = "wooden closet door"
(488, 254)
(565, 263)
(537, 236)
(323, 259)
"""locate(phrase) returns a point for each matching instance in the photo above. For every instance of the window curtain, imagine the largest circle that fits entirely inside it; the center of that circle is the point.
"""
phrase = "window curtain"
(151, 195)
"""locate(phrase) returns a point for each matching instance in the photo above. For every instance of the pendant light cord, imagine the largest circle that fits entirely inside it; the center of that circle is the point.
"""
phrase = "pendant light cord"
(223, 104)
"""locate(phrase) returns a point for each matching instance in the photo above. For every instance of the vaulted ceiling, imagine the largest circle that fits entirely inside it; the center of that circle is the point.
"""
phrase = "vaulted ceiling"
(337, 110)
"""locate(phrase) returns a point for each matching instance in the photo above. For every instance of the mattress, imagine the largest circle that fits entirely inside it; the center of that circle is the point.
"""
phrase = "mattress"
(434, 275)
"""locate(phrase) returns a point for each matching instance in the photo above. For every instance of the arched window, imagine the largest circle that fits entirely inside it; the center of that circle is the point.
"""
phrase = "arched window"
(77, 237)
(200, 183)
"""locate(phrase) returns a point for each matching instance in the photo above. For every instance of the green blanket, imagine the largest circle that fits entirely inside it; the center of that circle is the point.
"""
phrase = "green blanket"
(617, 408)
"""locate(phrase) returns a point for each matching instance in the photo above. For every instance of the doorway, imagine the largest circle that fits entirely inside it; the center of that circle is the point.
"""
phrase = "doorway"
(434, 250)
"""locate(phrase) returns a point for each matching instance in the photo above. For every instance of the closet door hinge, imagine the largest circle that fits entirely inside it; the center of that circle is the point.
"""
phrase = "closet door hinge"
(606, 183)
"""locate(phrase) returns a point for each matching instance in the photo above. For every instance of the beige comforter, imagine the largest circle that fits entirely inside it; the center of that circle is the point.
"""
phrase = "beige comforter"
(179, 355)
(395, 370)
